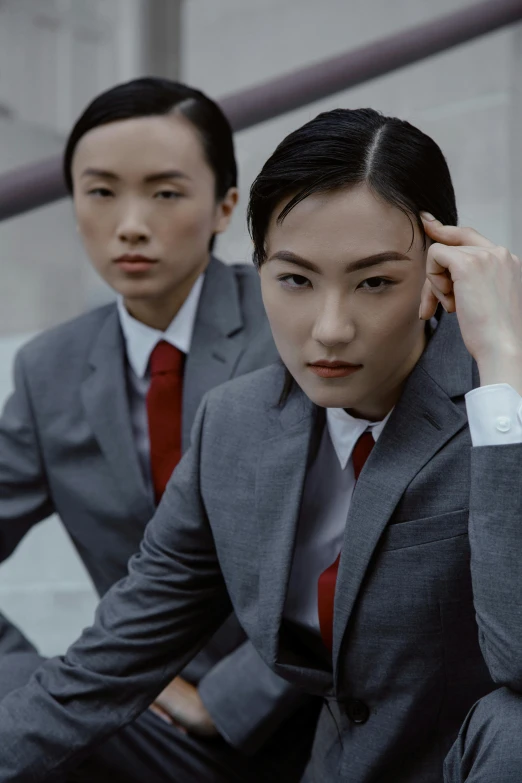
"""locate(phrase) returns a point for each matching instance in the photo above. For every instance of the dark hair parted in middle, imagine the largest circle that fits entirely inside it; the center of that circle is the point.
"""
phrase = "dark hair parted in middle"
(149, 97)
(344, 147)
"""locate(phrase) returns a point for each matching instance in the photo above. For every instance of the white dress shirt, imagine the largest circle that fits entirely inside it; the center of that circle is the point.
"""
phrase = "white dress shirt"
(140, 341)
(327, 495)
(495, 418)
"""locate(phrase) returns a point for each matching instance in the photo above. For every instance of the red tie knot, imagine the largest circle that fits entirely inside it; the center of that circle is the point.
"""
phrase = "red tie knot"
(165, 358)
(361, 452)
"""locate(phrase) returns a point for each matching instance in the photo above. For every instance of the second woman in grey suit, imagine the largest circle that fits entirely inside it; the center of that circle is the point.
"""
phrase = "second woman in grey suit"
(151, 168)
(360, 507)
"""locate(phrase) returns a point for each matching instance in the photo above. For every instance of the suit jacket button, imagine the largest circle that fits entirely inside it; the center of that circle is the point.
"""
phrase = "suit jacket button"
(357, 711)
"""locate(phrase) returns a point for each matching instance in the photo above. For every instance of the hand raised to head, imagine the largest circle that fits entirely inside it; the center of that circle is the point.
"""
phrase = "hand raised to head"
(482, 283)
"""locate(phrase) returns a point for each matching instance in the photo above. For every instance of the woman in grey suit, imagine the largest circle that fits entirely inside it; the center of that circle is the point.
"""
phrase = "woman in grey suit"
(359, 507)
(103, 407)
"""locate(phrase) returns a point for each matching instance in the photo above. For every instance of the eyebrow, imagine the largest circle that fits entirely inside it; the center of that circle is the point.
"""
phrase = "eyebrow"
(354, 266)
(157, 177)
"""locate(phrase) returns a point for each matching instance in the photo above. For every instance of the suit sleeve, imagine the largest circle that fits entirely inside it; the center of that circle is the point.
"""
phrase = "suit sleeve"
(24, 493)
(495, 533)
(146, 629)
(495, 422)
(246, 700)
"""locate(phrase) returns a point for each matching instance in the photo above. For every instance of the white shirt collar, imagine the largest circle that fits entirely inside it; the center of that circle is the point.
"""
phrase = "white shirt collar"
(345, 430)
(140, 340)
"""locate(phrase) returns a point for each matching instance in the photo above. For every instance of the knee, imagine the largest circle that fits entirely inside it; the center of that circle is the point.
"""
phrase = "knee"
(487, 747)
(496, 713)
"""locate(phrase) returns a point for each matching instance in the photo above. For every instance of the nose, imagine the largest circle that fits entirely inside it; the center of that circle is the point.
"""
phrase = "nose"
(132, 227)
(333, 324)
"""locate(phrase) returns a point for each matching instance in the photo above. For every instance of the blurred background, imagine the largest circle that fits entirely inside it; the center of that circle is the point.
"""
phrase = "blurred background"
(55, 55)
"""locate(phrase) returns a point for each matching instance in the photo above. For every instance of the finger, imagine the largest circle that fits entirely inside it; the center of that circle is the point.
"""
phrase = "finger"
(430, 299)
(440, 279)
(453, 235)
(164, 715)
(448, 302)
(161, 713)
(442, 287)
(445, 263)
(428, 303)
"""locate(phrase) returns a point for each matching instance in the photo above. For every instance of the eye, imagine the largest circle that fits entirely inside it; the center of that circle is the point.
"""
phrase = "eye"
(168, 194)
(100, 192)
(375, 284)
(294, 281)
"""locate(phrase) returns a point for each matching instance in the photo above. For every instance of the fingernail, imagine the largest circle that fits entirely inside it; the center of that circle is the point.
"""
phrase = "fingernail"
(420, 316)
(428, 216)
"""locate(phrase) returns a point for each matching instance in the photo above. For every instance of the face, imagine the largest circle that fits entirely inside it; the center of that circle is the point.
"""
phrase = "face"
(341, 286)
(144, 198)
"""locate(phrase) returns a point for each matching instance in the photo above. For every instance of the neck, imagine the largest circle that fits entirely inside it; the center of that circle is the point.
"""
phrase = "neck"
(378, 407)
(156, 313)
(159, 311)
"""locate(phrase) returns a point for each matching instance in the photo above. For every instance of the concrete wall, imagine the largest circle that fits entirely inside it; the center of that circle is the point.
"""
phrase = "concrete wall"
(463, 98)
(468, 99)
(55, 56)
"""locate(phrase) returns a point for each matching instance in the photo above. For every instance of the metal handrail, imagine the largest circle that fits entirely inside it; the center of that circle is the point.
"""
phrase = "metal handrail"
(37, 184)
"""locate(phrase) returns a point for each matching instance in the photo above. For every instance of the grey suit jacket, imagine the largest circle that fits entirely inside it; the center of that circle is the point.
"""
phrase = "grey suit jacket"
(427, 611)
(66, 446)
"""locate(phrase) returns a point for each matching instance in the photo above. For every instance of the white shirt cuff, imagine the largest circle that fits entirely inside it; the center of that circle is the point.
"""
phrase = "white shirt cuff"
(494, 415)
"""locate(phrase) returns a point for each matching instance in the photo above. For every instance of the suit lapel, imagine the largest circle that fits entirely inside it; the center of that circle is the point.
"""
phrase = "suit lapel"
(217, 341)
(105, 400)
(281, 471)
(424, 419)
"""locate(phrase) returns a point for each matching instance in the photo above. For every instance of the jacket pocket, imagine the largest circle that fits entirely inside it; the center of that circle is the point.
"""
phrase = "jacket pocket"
(416, 532)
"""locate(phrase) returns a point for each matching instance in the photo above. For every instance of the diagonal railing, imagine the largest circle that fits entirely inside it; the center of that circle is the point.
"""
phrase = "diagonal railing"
(41, 183)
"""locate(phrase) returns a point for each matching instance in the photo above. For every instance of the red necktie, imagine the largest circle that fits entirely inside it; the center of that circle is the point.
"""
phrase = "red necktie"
(164, 413)
(327, 580)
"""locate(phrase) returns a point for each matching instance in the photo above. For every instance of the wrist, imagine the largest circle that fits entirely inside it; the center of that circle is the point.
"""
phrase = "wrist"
(502, 367)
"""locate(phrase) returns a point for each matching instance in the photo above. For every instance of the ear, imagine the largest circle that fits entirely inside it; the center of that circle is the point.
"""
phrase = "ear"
(225, 210)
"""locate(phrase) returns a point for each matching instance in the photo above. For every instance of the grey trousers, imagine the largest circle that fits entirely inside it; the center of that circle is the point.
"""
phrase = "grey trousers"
(152, 751)
(489, 746)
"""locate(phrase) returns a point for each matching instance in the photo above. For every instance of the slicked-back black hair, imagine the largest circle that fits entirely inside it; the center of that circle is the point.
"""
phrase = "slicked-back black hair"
(346, 147)
(150, 96)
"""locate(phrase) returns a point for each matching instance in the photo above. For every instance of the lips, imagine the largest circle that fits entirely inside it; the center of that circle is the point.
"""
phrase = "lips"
(134, 263)
(334, 369)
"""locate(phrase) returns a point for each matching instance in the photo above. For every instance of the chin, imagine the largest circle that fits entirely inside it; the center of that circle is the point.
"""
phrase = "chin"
(138, 289)
(335, 401)
(330, 396)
